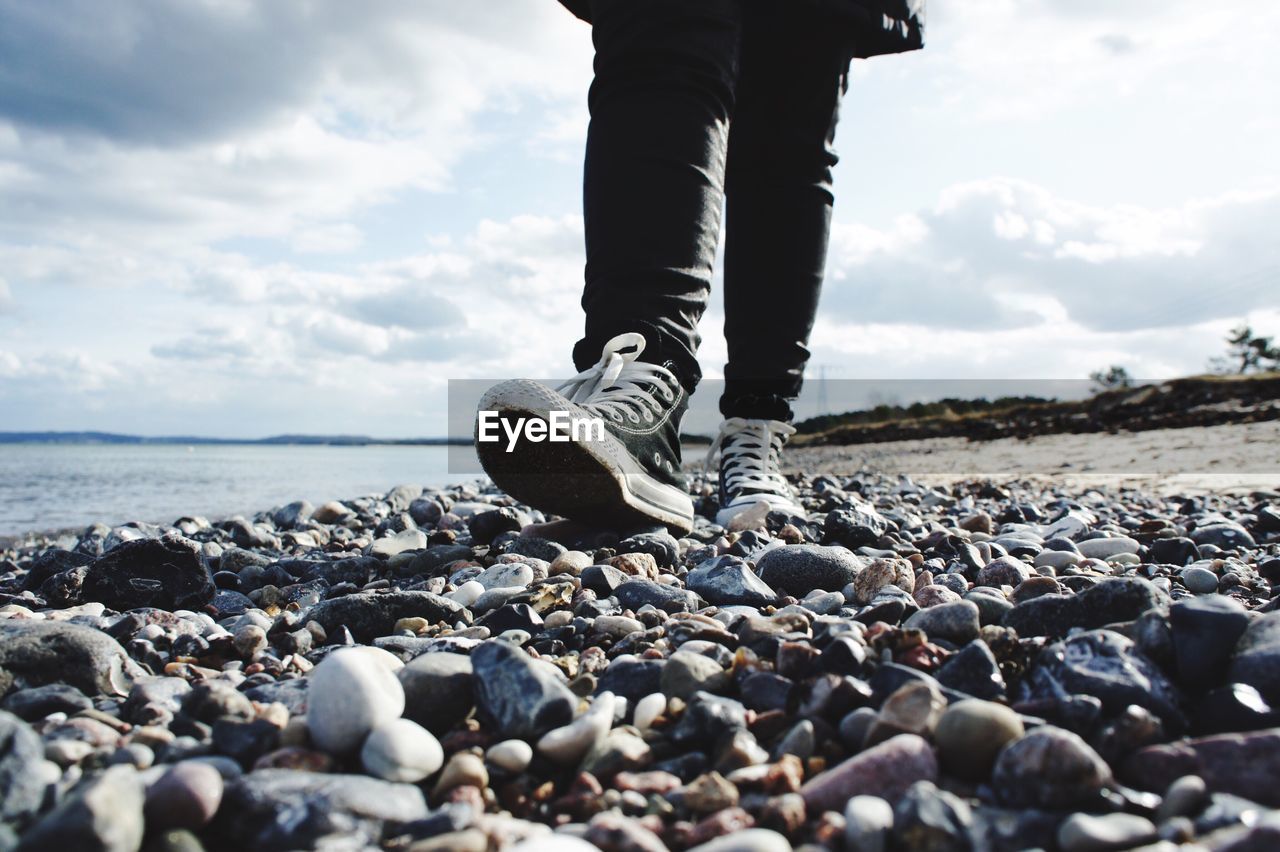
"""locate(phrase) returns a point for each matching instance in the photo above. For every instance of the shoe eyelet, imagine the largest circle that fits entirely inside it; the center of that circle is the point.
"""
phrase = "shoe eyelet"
(657, 458)
(615, 416)
(631, 415)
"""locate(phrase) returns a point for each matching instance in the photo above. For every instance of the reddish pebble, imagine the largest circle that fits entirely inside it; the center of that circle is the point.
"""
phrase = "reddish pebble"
(187, 796)
(886, 770)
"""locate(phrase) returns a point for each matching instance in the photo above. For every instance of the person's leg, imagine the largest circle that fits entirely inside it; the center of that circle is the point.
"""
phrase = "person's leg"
(652, 196)
(653, 181)
(793, 72)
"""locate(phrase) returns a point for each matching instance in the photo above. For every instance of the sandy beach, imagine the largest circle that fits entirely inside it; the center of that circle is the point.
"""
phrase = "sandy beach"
(1231, 458)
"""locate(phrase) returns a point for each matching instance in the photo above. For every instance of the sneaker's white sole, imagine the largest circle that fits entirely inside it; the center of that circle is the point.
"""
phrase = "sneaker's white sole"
(725, 516)
(597, 482)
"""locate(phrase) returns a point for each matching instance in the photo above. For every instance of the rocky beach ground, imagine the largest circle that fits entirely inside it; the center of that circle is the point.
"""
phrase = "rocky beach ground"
(950, 664)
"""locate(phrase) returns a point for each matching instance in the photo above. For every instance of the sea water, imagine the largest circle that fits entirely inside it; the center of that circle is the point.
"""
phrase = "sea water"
(62, 486)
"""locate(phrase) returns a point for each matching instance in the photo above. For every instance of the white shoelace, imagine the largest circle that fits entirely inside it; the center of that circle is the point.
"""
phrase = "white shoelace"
(620, 386)
(749, 451)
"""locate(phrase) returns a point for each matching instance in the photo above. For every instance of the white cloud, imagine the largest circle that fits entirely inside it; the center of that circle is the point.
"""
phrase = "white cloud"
(1014, 59)
(952, 291)
(337, 238)
(1006, 253)
(206, 121)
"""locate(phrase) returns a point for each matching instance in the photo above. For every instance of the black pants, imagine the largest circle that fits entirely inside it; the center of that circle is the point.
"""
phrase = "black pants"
(699, 105)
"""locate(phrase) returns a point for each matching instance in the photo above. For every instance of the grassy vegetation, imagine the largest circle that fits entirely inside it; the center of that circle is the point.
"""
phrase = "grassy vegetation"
(1192, 400)
(949, 408)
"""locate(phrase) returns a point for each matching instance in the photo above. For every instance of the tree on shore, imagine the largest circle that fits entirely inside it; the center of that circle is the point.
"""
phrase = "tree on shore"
(1114, 377)
(1247, 353)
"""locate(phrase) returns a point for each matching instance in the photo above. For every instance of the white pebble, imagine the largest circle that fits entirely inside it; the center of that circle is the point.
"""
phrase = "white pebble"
(559, 618)
(748, 840)
(1105, 548)
(1056, 559)
(350, 694)
(648, 709)
(511, 755)
(401, 750)
(380, 657)
(567, 745)
(616, 626)
(868, 820)
(504, 576)
(494, 598)
(467, 593)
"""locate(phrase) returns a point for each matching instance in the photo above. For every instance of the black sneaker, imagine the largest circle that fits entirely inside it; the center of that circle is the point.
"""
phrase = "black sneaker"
(620, 469)
(749, 467)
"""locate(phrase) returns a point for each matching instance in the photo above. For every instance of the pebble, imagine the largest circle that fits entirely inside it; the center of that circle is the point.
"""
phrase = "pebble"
(854, 691)
(747, 840)
(801, 568)
(1205, 631)
(913, 708)
(728, 581)
(462, 770)
(649, 709)
(505, 576)
(401, 750)
(569, 744)
(1003, 571)
(974, 671)
(21, 789)
(250, 641)
(186, 796)
(350, 695)
(438, 690)
(686, 673)
(105, 813)
(868, 822)
(1090, 833)
(1242, 764)
(316, 809)
(887, 770)
(636, 565)
(635, 594)
(956, 621)
(1200, 581)
(1257, 656)
(512, 756)
(617, 626)
(1105, 548)
(971, 733)
(1185, 797)
(929, 818)
(523, 697)
(881, 573)
(1056, 559)
(1108, 601)
(570, 562)
(36, 653)
(558, 843)
(1049, 768)
(398, 543)
(468, 593)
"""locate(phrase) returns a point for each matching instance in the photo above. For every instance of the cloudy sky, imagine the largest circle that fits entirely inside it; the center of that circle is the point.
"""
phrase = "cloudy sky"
(240, 218)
